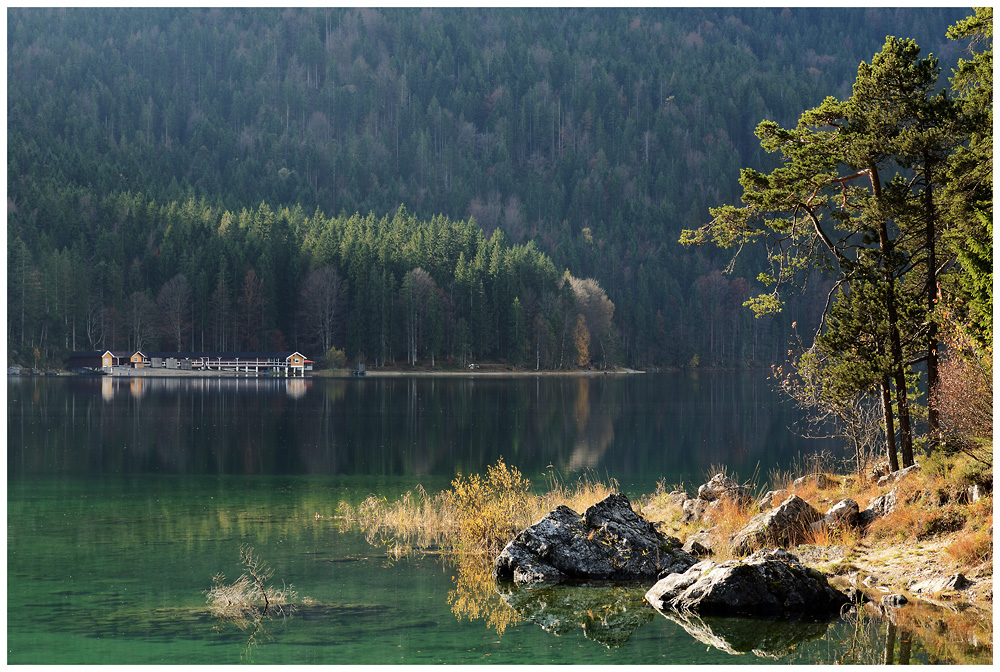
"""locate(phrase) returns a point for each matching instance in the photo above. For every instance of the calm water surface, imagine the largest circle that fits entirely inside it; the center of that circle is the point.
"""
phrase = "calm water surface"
(126, 495)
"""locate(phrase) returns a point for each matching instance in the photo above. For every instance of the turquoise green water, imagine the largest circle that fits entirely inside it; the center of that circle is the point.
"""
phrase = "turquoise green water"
(119, 514)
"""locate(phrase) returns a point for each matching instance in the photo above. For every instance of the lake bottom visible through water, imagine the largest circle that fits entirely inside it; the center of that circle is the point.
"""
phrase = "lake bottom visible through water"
(126, 497)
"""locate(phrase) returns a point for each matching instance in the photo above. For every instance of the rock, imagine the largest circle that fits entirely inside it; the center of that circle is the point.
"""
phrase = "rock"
(701, 543)
(885, 504)
(14, 370)
(608, 542)
(953, 582)
(677, 498)
(699, 510)
(880, 469)
(856, 595)
(821, 480)
(896, 600)
(866, 518)
(721, 486)
(766, 502)
(770, 583)
(608, 614)
(784, 525)
(897, 476)
(842, 514)
(737, 636)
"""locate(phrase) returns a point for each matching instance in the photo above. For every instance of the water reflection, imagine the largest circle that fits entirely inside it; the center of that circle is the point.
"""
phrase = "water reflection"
(608, 614)
(636, 429)
(737, 636)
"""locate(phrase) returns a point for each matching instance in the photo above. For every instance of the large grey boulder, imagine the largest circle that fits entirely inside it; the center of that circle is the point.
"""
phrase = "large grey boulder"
(784, 525)
(608, 542)
(770, 583)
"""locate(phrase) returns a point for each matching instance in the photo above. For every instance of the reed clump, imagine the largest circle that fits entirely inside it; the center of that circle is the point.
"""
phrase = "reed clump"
(250, 597)
(480, 514)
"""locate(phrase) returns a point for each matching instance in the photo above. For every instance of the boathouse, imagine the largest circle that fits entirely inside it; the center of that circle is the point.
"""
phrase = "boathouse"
(282, 363)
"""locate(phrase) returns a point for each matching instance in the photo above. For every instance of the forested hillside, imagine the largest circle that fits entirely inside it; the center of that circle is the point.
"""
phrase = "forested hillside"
(407, 184)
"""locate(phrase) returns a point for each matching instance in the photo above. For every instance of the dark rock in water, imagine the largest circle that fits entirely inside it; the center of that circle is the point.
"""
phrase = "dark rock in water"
(953, 582)
(856, 595)
(770, 583)
(737, 636)
(608, 614)
(784, 525)
(609, 542)
(896, 600)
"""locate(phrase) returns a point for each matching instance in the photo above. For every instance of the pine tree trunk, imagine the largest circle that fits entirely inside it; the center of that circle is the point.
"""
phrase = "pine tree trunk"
(890, 428)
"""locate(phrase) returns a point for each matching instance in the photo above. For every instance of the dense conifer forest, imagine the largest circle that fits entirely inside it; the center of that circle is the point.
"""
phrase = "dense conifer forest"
(423, 186)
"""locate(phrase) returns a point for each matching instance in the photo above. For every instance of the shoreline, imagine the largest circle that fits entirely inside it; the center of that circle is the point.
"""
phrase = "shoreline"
(343, 373)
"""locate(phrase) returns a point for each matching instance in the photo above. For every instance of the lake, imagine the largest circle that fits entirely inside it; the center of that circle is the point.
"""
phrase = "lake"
(126, 495)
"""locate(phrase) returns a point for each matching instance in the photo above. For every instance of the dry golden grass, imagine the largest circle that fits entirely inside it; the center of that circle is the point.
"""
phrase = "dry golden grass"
(479, 515)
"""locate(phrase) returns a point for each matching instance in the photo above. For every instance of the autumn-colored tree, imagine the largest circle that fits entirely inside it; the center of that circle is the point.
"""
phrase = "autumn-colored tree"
(581, 339)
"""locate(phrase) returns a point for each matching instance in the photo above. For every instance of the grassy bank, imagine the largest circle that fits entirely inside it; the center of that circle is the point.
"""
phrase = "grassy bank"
(936, 529)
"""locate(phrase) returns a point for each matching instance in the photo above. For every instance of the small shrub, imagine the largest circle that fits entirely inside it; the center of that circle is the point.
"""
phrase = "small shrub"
(490, 508)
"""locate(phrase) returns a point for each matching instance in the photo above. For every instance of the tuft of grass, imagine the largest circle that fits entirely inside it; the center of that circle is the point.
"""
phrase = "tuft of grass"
(250, 597)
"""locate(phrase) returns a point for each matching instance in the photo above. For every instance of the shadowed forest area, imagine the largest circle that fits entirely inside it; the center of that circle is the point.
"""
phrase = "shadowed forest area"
(400, 186)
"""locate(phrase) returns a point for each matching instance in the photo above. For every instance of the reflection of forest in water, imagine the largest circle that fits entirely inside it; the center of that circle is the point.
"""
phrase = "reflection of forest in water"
(646, 426)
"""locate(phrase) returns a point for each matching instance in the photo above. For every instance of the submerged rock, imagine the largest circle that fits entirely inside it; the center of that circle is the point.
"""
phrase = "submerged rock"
(608, 542)
(770, 583)
(784, 525)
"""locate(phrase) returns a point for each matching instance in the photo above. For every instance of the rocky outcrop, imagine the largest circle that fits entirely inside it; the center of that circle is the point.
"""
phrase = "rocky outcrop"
(784, 525)
(770, 583)
(608, 542)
